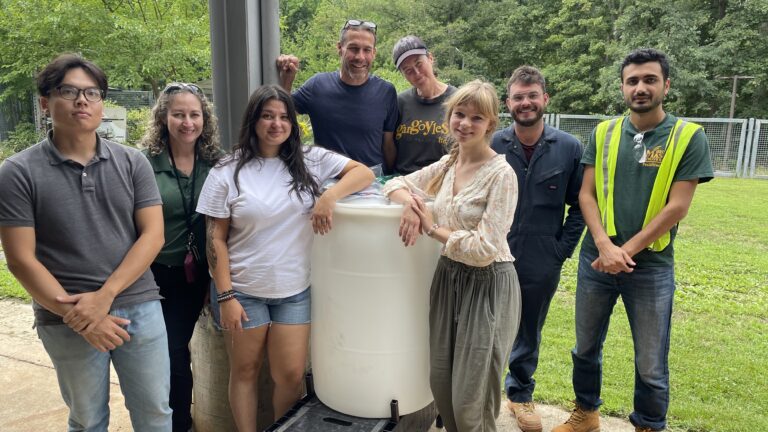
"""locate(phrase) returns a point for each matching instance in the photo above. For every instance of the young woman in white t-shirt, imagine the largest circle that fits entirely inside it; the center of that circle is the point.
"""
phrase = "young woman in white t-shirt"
(262, 205)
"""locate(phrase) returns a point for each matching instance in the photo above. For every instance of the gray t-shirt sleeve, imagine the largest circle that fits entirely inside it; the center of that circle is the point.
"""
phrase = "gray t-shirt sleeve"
(16, 206)
(145, 189)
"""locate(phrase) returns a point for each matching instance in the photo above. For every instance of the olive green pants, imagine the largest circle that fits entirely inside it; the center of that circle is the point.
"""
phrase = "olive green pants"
(474, 313)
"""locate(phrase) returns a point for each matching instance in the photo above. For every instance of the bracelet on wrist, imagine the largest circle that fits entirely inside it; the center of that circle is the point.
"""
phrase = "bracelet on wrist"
(224, 296)
(432, 229)
(221, 294)
(225, 299)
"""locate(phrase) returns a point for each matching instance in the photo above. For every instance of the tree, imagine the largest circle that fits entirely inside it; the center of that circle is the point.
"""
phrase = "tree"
(741, 47)
(171, 40)
(35, 31)
(139, 43)
(578, 44)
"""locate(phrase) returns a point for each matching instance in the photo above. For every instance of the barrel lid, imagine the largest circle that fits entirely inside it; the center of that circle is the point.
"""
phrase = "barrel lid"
(366, 202)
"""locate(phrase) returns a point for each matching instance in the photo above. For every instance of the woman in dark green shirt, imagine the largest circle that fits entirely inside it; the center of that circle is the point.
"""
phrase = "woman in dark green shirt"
(182, 145)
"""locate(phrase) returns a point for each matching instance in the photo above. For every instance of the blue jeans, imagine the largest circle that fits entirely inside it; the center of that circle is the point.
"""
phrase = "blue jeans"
(647, 294)
(141, 364)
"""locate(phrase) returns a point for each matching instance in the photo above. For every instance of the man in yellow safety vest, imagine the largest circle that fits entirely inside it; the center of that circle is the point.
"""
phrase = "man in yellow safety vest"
(640, 174)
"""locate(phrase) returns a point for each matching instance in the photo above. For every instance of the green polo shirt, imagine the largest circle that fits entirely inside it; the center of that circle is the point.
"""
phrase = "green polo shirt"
(175, 247)
(634, 182)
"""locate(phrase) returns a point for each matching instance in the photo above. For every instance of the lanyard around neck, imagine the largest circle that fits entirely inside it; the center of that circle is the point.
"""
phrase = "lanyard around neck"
(187, 212)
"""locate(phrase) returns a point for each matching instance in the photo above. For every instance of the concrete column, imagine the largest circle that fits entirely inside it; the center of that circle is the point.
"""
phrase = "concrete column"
(245, 41)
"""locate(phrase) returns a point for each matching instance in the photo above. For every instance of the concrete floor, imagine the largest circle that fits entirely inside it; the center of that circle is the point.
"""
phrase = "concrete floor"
(30, 399)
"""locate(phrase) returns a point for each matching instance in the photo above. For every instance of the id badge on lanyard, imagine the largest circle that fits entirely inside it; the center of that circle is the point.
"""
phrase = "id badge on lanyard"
(191, 259)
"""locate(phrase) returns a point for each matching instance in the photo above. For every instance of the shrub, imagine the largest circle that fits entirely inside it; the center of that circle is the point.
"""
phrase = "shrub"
(22, 137)
(307, 135)
(136, 122)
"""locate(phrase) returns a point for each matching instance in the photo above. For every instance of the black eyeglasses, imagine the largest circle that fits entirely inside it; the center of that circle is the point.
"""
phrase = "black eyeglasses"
(68, 92)
(371, 27)
(639, 150)
(178, 86)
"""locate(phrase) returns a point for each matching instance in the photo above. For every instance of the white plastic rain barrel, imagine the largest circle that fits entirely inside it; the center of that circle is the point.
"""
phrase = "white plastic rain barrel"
(370, 306)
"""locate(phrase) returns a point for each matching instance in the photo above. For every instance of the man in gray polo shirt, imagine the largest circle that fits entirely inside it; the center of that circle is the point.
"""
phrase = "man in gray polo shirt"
(80, 222)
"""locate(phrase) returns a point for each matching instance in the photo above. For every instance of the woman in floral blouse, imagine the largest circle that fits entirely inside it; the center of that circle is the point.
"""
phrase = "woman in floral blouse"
(475, 296)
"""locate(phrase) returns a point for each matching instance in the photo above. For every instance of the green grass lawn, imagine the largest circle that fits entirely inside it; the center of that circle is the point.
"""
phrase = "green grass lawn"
(719, 351)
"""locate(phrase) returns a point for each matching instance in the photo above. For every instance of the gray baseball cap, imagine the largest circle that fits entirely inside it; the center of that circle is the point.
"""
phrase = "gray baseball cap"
(406, 47)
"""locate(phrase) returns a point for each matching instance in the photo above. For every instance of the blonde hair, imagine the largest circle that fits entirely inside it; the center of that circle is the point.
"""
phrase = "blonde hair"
(482, 97)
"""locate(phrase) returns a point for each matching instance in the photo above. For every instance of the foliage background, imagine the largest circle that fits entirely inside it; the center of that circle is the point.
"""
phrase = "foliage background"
(139, 43)
(577, 43)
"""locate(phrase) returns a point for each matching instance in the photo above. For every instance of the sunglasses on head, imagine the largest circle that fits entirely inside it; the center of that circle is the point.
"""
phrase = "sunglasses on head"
(639, 150)
(179, 86)
(353, 23)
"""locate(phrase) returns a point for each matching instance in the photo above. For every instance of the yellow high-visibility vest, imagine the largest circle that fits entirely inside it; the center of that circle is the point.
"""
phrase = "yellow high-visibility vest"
(609, 134)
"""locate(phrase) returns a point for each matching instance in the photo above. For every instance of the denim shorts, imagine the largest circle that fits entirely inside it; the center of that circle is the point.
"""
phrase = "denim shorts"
(260, 310)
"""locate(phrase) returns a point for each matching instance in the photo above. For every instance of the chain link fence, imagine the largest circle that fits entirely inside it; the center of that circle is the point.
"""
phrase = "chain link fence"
(756, 155)
(132, 99)
(727, 141)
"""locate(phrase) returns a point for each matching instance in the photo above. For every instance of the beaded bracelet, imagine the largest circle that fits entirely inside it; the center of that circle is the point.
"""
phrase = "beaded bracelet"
(225, 296)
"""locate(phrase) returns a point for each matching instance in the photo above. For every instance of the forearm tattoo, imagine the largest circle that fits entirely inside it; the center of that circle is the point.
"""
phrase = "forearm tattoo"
(210, 251)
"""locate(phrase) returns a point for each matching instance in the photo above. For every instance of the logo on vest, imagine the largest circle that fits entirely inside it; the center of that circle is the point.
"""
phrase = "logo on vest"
(654, 156)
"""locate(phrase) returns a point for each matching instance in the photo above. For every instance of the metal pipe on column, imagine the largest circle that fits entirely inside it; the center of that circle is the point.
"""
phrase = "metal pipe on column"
(245, 41)
(270, 40)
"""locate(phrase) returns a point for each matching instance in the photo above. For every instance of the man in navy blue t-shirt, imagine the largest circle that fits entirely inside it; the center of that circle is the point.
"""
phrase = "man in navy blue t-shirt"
(352, 112)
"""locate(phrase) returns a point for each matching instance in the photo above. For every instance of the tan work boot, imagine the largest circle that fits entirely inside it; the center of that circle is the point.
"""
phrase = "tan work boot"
(581, 420)
(525, 413)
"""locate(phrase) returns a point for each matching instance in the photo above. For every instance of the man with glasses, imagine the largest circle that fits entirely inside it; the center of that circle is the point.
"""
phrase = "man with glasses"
(548, 167)
(80, 222)
(640, 174)
(352, 112)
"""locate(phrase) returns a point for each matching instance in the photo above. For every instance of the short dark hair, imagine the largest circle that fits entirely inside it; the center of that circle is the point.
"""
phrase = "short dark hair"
(53, 73)
(645, 55)
(527, 75)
